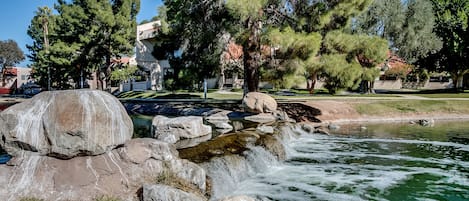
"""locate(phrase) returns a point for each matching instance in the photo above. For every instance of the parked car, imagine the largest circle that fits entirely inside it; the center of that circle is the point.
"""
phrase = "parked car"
(31, 89)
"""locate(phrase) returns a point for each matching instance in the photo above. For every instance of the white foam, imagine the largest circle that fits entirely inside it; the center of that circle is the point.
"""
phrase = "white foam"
(324, 167)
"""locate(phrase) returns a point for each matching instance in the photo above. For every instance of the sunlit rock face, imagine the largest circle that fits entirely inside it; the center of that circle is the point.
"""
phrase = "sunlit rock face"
(162, 192)
(172, 130)
(65, 124)
(119, 173)
(256, 102)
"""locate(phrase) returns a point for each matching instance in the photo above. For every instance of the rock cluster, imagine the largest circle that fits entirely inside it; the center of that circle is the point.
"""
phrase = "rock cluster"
(92, 132)
(119, 173)
(76, 145)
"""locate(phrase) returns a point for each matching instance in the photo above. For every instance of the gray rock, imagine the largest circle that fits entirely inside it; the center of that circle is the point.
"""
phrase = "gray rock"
(167, 193)
(190, 172)
(322, 131)
(65, 124)
(265, 129)
(218, 116)
(185, 143)
(220, 121)
(256, 102)
(172, 130)
(119, 173)
(427, 122)
(139, 150)
(283, 116)
(237, 125)
(261, 118)
(307, 128)
(333, 127)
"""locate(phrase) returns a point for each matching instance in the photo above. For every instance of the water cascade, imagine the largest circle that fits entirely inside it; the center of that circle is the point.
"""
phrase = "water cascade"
(229, 172)
(348, 167)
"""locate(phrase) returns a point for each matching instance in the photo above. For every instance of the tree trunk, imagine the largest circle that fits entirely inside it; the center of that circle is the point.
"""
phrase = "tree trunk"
(251, 57)
(236, 84)
(457, 80)
(221, 78)
(314, 78)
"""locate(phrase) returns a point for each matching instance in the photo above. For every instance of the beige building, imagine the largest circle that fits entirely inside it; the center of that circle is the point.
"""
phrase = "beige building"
(145, 39)
(13, 78)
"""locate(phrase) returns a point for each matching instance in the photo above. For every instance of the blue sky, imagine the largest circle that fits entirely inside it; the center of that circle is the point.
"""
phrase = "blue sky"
(16, 15)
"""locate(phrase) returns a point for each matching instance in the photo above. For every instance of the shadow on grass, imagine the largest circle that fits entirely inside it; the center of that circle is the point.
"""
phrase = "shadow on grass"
(156, 95)
(179, 96)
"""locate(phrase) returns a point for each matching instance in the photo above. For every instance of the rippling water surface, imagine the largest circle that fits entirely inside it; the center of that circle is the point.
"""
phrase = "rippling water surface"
(381, 162)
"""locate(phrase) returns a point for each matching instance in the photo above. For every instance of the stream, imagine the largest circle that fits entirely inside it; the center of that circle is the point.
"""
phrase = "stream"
(360, 162)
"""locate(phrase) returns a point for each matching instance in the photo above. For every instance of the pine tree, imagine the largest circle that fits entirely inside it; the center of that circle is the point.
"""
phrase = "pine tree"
(84, 36)
(293, 32)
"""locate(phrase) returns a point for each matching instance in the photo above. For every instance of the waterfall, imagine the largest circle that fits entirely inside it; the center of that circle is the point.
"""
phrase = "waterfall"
(229, 171)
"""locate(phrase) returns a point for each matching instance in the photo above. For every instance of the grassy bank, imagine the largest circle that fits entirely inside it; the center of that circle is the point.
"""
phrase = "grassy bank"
(402, 106)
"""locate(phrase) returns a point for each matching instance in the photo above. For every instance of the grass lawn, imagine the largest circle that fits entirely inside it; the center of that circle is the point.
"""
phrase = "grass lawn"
(411, 106)
(445, 95)
(293, 94)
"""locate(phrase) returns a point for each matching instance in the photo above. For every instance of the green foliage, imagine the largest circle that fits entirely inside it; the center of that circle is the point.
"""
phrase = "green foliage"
(292, 49)
(356, 55)
(407, 25)
(245, 9)
(289, 73)
(293, 44)
(368, 50)
(325, 16)
(82, 36)
(10, 53)
(452, 27)
(295, 29)
(339, 73)
(123, 74)
(189, 39)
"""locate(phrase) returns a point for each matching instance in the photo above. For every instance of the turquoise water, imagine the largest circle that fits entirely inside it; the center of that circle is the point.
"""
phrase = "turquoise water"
(381, 162)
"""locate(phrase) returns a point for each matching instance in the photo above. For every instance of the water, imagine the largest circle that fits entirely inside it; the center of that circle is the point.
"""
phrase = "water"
(381, 162)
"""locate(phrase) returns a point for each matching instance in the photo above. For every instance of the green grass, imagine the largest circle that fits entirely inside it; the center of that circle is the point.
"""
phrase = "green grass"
(278, 94)
(445, 95)
(411, 107)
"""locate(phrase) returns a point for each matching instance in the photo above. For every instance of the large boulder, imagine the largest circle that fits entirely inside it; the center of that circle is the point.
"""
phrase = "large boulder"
(119, 173)
(256, 102)
(160, 192)
(172, 130)
(65, 124)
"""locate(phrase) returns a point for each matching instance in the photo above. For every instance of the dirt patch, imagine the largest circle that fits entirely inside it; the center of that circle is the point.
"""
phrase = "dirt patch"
(333, 110)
